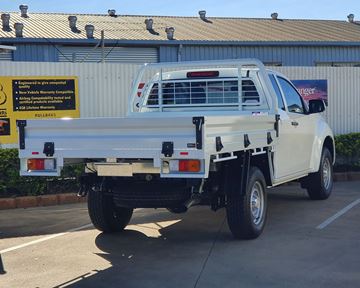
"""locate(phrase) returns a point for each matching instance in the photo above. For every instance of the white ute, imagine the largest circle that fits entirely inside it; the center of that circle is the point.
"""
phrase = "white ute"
(215, 133)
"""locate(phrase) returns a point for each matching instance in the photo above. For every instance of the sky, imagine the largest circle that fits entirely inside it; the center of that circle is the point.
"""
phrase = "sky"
(287, 9)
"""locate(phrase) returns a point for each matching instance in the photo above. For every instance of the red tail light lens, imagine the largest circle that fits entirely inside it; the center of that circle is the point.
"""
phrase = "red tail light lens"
(202, 74)
(189, 166)
(36, 164)
(41, 164)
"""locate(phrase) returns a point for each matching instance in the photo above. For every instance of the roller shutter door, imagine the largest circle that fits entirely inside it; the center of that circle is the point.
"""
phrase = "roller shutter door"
(112, 54)
(6, 56)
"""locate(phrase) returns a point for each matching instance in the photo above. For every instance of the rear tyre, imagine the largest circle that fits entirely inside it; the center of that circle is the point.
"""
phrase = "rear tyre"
(319, 184)
(103, 213)
(246, 214)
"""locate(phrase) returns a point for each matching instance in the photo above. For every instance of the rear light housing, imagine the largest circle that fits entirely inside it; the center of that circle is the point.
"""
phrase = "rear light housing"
(185, 166)
(41, 164)
(202, 74)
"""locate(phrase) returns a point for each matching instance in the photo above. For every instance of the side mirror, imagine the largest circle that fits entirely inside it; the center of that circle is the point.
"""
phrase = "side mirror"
(316, 106)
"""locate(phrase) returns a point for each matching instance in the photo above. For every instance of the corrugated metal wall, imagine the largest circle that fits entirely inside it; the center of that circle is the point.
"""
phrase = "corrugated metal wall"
(286, 55)
(168, 53)
(111, 54)
(104, 88)
(343, 112)
(35, 53)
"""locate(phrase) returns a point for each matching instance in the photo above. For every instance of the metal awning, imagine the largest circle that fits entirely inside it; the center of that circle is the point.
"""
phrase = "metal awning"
(4, 48)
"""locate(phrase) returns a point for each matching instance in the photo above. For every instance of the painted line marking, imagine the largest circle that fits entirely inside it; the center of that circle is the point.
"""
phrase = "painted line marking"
(45, 239)
(51, 236)
(338, 214)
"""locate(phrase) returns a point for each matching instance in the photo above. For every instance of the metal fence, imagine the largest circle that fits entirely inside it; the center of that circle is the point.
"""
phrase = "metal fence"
(104, 88)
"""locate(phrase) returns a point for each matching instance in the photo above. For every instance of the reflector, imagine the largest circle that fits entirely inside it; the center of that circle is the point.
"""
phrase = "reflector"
(140, 87)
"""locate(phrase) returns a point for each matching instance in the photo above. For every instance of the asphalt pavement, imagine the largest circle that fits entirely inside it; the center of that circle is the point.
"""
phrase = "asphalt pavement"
(305, 244)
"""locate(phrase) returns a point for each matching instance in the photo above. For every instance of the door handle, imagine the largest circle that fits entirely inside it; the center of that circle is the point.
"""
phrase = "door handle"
(294, 123)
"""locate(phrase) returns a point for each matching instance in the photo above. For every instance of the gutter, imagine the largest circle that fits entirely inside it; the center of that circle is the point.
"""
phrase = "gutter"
(4, 48)
(124, 42)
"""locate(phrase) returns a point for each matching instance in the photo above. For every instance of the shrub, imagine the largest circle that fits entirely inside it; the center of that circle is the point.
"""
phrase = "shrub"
(11, 184)
(348, 152)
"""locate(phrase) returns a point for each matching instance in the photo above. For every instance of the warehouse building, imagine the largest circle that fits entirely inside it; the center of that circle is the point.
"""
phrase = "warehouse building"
(112, 38)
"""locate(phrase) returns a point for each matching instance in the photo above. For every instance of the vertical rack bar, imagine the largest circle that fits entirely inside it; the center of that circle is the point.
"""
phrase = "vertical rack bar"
(240, 88)
(160, 90)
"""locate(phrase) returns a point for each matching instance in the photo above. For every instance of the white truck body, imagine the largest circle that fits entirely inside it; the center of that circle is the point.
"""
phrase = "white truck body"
(207, 111)
(139, 138)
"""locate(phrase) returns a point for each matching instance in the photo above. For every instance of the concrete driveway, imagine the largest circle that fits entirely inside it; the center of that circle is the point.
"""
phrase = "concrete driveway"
(305, 244)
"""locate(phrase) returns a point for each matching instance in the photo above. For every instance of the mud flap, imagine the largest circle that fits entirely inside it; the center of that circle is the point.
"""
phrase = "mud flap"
(237, 175)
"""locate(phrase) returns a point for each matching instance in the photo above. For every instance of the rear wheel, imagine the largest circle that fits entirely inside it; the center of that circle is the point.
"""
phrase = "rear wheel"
(319, 184)
(246, 214)
(104, 215)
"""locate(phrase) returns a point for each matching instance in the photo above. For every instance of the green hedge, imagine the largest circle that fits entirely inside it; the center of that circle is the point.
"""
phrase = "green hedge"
(347, 152)
(11, 184)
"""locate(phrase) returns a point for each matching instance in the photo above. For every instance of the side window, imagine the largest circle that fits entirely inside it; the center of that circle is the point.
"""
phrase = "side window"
(294, 103)
(281, 104)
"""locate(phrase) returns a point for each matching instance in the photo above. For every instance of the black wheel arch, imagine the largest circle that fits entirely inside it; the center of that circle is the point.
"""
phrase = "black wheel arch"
(330, 145)
(262, 162)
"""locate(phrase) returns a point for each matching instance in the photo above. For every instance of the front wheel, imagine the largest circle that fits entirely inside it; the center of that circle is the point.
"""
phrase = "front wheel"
(103, 213)
(246, 213)
(320, 184)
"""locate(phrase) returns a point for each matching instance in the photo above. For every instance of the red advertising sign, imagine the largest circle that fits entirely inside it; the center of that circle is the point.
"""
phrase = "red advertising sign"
(312, 89)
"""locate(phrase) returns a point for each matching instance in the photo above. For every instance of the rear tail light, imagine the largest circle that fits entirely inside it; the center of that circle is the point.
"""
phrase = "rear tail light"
(190, 166)
(41, 164)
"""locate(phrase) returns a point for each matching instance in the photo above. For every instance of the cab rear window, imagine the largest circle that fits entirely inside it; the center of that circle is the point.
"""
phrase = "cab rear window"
(203, 92)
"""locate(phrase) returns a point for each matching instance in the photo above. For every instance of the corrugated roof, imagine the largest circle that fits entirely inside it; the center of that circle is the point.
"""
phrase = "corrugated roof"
(126, 27)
